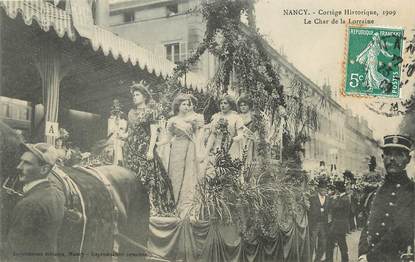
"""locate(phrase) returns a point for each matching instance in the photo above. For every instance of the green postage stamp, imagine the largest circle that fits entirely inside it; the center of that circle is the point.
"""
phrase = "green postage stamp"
(374, 59)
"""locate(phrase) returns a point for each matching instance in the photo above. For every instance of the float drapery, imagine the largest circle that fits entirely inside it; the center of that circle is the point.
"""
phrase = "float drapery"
(204, 241)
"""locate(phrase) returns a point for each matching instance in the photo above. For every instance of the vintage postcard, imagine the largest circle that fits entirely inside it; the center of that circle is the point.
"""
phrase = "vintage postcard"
(207, 130)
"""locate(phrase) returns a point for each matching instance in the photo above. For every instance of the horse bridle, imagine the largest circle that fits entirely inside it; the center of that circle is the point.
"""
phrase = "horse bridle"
(10, 189)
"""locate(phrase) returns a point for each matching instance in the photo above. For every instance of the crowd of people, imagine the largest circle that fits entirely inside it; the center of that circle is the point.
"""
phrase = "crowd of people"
(170, 157)
(380, 206)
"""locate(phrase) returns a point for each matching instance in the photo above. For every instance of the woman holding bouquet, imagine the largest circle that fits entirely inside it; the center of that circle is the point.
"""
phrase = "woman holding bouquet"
(140, 153)
(226, 128)
(183, 133)
(251, 137)
(226, 133)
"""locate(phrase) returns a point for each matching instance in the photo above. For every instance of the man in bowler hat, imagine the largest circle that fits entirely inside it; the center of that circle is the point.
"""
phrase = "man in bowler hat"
(389, 231)
(339, 213)
(318, 219)
(37, 217)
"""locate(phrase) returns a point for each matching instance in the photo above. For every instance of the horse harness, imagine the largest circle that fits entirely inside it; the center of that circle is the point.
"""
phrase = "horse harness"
(75, 204)
(113, 196)
(72, 193)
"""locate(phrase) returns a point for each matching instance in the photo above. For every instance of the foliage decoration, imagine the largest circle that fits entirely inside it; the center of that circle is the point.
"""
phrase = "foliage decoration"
(260, 201)
(245, 67)
(218, 190)
(242, 56)
(369, 181)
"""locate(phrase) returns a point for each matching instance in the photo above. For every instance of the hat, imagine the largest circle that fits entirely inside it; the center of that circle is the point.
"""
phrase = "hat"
(398, 141)
(43, 151)
(141, 87)
(321, 180)
(338, 182)
(349, 176)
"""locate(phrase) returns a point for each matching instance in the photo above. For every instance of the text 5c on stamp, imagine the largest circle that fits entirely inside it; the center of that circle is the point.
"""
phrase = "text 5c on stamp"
(374, 58)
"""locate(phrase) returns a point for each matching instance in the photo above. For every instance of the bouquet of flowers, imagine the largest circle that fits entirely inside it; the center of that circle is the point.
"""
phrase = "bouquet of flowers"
(221, 130)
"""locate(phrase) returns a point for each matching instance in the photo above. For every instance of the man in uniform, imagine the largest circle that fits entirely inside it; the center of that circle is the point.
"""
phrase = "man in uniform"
(390, 227)
(37, 217)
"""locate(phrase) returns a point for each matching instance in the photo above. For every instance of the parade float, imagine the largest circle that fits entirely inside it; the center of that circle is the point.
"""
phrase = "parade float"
(243, 210)
(248, 210)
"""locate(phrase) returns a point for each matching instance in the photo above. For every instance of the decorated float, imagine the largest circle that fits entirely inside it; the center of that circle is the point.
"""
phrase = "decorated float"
(243, 209)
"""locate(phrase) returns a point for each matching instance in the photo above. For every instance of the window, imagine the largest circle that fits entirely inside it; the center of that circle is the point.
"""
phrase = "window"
(129, 17)
(176, 52)
(172, 9)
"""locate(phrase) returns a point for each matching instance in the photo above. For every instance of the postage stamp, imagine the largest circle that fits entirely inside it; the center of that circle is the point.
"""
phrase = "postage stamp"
(374, 58)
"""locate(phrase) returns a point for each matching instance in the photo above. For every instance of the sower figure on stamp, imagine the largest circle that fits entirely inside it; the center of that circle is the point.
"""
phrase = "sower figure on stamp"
(318, 218)
(389, 231)
(339, 213)
(38, 216)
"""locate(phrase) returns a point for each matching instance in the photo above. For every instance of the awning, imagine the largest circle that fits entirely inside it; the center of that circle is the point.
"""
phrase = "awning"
(48, 16)
(129, 51)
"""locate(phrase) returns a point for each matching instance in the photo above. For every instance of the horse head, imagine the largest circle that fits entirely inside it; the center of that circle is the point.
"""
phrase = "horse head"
(10, 152)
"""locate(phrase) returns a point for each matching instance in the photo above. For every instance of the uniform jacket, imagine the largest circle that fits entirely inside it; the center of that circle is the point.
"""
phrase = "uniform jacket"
(317, 213)
(339, 211)
(37, 218)
(390, 226)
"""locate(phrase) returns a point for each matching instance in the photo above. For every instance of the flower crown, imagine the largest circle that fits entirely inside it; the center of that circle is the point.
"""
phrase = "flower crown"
(141, 86)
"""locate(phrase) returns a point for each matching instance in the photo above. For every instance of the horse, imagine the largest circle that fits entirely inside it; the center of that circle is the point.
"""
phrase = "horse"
(102, 203)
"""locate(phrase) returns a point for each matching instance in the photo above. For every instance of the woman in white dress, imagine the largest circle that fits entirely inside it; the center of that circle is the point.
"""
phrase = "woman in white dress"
(250, 141)
(226, 131)
(183, 131)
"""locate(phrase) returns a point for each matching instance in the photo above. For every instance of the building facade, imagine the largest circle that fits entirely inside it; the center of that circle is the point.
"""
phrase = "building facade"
(170, 29)
(360, 143)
